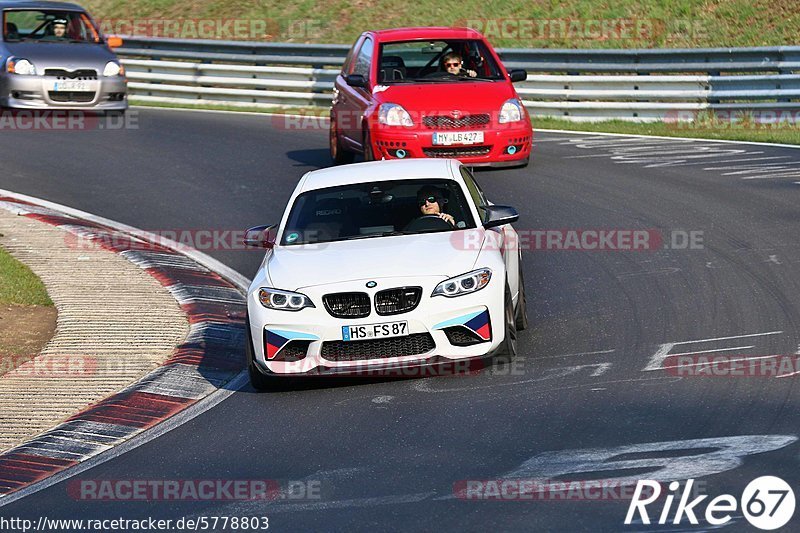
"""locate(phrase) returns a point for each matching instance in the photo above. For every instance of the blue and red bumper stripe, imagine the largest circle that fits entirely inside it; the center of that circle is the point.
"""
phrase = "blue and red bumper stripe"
(478, 322)
(276, 339)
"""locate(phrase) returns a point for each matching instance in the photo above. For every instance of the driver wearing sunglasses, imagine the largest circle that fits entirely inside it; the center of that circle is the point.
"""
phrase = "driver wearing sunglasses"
(431, 201)
(453, 65)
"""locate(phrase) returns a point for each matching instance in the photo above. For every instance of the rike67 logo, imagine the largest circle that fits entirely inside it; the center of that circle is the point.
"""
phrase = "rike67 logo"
(767, 503)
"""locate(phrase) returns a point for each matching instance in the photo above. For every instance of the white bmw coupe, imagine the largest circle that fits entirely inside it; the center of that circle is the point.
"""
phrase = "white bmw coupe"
(382, 265)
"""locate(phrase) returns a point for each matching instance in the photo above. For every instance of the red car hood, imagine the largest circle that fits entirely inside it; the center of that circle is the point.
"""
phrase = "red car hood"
(439, 97)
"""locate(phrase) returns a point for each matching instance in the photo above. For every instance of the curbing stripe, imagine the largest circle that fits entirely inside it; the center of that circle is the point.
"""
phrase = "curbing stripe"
(153, 260)
(209, 357)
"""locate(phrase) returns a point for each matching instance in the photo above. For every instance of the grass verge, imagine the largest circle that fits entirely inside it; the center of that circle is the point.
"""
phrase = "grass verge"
(513, 23)
(18, 285)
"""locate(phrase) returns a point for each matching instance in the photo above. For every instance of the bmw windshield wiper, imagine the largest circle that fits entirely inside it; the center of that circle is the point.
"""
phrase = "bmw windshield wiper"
(380, 234)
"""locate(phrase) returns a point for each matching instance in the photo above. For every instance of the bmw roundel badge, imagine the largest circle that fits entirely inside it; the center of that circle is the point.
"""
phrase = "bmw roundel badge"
(371, 284)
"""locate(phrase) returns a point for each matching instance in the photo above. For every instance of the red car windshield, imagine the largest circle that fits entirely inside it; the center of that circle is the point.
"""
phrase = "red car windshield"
(48, 26)
(436, 61)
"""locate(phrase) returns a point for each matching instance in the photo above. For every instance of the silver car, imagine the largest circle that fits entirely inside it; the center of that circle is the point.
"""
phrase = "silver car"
(54, 57)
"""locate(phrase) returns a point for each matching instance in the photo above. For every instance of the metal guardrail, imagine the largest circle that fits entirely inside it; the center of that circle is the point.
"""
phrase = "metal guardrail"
(640, 85)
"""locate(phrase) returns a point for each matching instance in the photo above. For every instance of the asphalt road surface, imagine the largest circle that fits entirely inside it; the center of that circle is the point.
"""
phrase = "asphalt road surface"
(586, 398)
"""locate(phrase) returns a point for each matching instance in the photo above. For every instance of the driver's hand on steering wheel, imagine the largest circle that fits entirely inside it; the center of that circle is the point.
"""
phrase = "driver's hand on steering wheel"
(471, 73)
(448, 218)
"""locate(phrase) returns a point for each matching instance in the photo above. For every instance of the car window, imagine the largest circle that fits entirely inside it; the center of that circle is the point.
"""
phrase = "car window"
(475, 192)
(371, 209)
(422, 61)
(364, 59)
(347, 67)
(42, 25)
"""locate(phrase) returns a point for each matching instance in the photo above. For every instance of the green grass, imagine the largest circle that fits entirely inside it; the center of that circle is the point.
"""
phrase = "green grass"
(512, 23)
(18, 285)
(704, 128)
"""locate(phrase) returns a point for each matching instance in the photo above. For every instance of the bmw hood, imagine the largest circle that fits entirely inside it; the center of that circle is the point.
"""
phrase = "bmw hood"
(444, 255)
(71, 56)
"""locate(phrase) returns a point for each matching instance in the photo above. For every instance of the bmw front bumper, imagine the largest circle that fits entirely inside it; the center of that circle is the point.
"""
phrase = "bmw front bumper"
(440, 330)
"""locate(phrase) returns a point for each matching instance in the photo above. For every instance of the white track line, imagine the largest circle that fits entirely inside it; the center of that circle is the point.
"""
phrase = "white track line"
(535, 129)
(191, 412)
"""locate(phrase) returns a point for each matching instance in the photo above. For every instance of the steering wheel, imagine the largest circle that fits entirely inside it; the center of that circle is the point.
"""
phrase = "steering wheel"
(428, 223)
(439, 74)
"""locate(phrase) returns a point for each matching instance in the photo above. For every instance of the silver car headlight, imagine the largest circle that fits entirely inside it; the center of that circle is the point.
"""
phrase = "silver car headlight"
(283, 300)
(394, 115)
(21, 66)
(511, 111)
(113, 68)
(463, 284)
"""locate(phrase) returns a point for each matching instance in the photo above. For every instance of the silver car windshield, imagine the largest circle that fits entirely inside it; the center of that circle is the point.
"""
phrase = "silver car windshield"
(49, 26)
(377, 209)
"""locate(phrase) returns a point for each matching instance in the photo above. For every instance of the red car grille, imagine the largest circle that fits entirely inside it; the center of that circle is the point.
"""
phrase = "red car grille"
(444, 122)
(457, 151)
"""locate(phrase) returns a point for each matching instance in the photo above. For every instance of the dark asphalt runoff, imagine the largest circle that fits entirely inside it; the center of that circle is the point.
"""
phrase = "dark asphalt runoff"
(578, 404)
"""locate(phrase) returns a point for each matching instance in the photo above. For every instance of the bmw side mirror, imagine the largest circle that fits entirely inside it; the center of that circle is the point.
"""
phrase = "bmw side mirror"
(355, 80)
(518, 75)
(261, 236)
(498, 215)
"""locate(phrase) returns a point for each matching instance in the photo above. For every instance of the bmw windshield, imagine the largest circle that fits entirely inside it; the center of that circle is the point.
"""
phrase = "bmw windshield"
(377, 209)
(437, 61)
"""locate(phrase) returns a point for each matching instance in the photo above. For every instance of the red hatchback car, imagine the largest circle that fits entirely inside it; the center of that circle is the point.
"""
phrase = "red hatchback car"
(428, 92)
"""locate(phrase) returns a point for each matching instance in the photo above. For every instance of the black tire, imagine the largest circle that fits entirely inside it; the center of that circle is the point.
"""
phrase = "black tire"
(521, 312)
(508, 348)
(368, 154)
(339, 155)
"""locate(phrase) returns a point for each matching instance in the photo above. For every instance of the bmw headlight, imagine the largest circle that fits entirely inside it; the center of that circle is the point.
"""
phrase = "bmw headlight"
(463, 284)
(283, 300)
(18, 65)
(394, 115)
(511, 111)
(113, 68)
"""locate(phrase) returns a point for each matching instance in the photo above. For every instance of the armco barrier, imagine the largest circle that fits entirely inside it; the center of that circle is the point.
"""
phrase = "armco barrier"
(638, 85)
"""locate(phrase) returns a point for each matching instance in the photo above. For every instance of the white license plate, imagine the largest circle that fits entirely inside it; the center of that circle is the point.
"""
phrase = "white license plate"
(374, 331)
(457, 137)
(72, 85)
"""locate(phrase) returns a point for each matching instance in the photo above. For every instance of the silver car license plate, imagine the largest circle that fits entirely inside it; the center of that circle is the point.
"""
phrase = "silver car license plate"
(72, 86)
